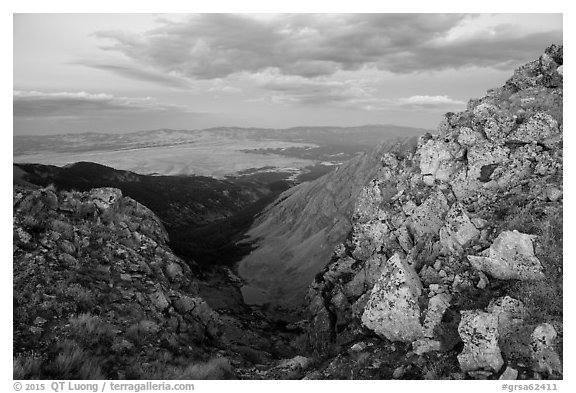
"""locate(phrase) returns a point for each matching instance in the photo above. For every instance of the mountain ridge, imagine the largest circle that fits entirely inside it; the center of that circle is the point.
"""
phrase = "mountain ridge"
(450, 265)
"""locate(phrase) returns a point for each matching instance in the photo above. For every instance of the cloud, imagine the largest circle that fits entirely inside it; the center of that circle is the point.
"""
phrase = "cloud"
(209, 46)
(348, 93)
(142, 74)
(35, 104)
(299, 90)
(428, 102)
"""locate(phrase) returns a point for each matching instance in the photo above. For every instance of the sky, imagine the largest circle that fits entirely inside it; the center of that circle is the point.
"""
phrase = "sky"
(119, 73)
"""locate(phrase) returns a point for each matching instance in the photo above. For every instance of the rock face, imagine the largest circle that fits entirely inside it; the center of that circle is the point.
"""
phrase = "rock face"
(459, 234)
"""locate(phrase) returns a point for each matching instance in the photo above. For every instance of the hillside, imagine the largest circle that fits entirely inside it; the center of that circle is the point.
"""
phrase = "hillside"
(203, 216)
(439, 257)
(453, 267)
(294, 238)
(98, 294)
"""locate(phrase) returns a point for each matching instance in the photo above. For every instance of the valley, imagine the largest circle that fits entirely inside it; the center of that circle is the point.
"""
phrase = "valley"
(374, 252)
(218, 152)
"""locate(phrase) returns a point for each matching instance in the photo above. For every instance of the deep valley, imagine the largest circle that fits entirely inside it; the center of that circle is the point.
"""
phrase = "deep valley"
(374, 252)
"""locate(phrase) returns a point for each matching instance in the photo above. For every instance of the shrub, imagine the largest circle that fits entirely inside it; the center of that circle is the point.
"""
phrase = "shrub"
(27, 367)
(91, 331)
(84, 298)
(74, 363)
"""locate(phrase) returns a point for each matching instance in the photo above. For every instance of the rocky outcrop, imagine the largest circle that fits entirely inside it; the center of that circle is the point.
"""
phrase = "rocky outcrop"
(451, 229)
(101, 260)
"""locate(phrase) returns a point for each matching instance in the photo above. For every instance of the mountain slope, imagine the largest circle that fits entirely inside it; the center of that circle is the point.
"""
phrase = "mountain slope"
(294, 237)
(203, 216)
(96, 286)
(453, 268)
(99, 294)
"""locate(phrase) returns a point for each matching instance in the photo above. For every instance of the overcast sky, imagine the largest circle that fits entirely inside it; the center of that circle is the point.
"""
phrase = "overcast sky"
(128, 72)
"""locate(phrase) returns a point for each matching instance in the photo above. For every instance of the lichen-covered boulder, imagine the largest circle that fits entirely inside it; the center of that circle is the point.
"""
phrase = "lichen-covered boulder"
(544, 354)
(440, 158)
(539, 127)
(511, 256)
(479, 332)
(105, 197)
(392, 310)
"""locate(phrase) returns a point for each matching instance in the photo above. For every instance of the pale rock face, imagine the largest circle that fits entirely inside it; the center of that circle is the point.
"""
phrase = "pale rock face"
(297, 362)
(553, 194)
(484, 159)
(510, 374)
(544, 355)
(498, 127)
(539, 127)
(463, 185)
(392, 310)
(159, 300)
(173, 271)
(479, 332)
(469, 137)
(439, 158)
(185, 304)
(458, 230)
(482, 155)
(484, 110)
(368, 237)
(428, 218)
(426, 345)
(105, 197)
(370, 230)
(511, 256)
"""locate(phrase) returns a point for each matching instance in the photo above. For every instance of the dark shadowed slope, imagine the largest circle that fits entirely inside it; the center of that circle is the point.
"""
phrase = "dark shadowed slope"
(203, 216)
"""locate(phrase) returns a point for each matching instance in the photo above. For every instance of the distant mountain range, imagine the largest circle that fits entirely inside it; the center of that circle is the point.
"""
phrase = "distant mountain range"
(215, 152)
(78, 142)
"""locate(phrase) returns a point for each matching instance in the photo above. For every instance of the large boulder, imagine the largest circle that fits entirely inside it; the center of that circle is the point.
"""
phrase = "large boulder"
(511, 256)
(544, 355)
(479, 332)
(392, 310)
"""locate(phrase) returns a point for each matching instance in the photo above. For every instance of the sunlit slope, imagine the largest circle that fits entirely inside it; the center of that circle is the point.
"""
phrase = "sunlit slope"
(295, 237)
